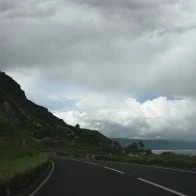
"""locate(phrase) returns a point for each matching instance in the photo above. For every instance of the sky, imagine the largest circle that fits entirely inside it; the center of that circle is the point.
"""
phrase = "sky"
(125, 68)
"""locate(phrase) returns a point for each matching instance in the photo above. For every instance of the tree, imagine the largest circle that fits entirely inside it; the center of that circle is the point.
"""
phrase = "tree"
(141, 144)
(133, 146)
(77, 126)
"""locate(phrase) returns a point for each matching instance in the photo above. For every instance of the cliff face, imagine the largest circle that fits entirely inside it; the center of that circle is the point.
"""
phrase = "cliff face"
(10, 88)
(17, 110)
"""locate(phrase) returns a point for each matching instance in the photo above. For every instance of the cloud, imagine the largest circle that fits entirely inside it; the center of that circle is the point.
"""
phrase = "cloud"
(103, 44)
(159, 117)
(65, 52)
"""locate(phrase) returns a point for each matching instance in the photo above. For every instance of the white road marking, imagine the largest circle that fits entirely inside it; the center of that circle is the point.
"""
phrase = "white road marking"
(114, 170)
(89, 163)
(158, 167)
(42, 184)
(162, 187)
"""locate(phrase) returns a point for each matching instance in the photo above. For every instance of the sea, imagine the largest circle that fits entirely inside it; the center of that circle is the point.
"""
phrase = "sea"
(186, 152)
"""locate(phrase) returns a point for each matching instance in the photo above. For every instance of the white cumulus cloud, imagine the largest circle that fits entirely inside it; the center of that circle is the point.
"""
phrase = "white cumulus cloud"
(159, 117)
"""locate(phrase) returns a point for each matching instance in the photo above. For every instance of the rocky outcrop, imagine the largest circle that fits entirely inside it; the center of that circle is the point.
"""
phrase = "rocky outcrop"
(16, 109)
(10, 88)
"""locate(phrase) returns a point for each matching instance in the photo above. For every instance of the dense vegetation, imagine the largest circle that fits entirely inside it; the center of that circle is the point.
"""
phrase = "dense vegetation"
(137, 148)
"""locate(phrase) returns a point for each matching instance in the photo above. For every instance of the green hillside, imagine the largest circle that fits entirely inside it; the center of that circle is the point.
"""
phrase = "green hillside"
(22, 115)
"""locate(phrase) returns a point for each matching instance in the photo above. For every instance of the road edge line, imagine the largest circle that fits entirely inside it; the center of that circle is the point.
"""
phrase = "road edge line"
(42, 184)
(162, 187)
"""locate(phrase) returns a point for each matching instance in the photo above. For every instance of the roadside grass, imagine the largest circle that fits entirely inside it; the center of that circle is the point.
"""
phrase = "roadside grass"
(18, 153)
(165, 159)
(17, 147)
(10, 168)
(168, 159)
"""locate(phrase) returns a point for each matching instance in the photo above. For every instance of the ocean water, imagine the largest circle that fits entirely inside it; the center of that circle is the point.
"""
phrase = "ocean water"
(187, 152)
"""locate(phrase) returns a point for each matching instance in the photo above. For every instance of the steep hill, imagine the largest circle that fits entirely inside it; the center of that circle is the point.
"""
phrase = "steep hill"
(17, 110)
(19, 113)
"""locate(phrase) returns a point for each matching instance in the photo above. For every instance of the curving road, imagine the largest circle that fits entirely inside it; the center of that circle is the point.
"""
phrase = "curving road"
(72, 177)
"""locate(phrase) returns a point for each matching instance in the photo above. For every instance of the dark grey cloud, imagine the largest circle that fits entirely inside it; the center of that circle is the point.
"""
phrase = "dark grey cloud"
(103, 44)
(7, 5)
(177, 30)
(134, 48)
(149, 15)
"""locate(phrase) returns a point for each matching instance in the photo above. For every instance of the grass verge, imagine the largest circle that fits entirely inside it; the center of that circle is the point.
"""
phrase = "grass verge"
(166, 159)
(10, 168)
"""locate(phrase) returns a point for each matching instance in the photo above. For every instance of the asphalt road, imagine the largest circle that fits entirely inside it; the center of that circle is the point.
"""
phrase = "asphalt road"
(73, 177)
